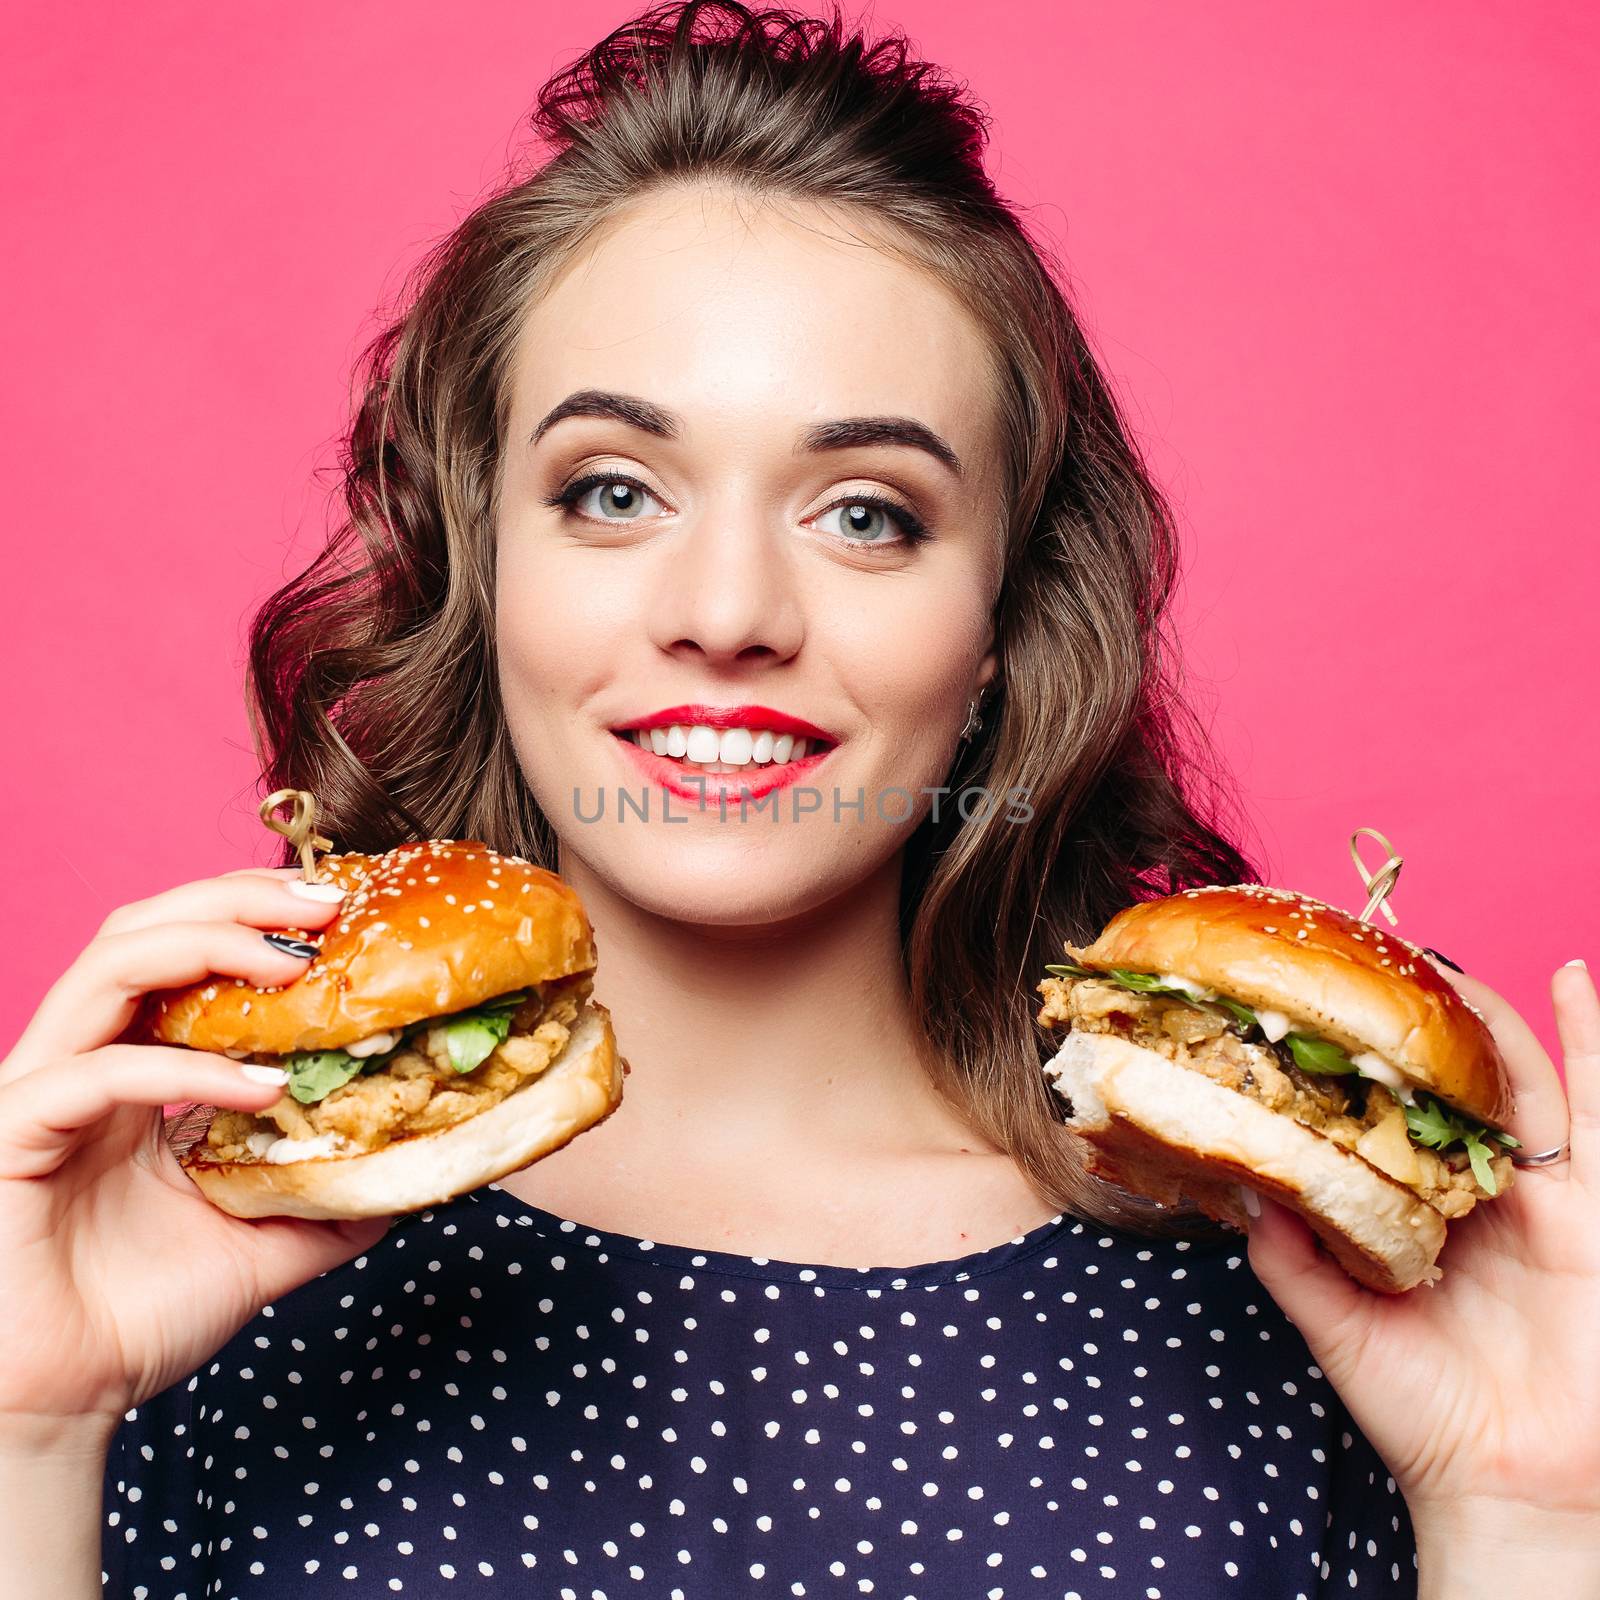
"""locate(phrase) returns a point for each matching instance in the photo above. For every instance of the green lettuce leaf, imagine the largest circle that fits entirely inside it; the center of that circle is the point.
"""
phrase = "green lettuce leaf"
(1145, 983)
(1317, 1055)
(472, 1036)
(1242, 1014)
(1478, 1155)
(315, 1074)
(471, 1039)
(1430, 1122)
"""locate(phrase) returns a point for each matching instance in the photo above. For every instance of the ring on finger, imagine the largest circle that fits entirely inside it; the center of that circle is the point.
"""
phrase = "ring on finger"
(1544, 1158)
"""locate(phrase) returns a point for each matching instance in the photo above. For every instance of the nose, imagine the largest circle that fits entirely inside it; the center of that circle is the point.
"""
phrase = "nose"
(728, 590)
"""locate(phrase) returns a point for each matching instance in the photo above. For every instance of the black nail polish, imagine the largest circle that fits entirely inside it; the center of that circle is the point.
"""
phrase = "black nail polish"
(290, 947)
(1444, 958)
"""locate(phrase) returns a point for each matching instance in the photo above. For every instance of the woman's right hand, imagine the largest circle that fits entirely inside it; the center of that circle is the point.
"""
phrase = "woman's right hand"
(117, 1276)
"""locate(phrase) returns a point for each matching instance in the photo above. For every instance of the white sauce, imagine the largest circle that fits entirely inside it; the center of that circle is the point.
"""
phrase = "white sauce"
(1376, 1068)
(1274, 1024)
(375, 1046)
(1195, 991)
(281, 1151)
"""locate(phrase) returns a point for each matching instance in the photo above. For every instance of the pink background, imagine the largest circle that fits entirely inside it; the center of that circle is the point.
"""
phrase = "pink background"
(1342, 263)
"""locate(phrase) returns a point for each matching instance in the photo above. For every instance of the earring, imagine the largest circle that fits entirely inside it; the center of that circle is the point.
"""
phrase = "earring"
(973, 723)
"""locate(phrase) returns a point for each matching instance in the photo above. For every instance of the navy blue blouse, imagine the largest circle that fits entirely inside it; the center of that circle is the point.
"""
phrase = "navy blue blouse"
(497, 1401)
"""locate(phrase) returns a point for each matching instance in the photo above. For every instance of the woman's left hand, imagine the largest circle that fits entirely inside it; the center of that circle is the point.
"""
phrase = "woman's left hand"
(1482, 1392)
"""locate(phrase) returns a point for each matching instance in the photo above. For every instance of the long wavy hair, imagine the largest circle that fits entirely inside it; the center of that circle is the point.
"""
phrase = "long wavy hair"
(371, 676)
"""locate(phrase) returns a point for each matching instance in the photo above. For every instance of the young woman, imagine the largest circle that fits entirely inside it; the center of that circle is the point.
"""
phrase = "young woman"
(755, 399)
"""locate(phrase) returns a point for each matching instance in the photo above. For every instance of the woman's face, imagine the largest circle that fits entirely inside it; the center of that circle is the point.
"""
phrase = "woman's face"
(723, 561)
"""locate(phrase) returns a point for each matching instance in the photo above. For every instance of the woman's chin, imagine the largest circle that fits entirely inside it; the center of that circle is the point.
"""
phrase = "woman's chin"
(715, 879)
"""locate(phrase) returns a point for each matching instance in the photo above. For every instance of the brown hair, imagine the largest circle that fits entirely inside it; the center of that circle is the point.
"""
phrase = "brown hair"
(371, 674)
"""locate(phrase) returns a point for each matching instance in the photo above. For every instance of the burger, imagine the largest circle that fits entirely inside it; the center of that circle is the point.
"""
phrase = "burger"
(442, 1036)
(1239, 1034)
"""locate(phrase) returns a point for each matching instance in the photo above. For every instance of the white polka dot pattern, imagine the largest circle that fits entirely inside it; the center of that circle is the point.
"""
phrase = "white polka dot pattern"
(497, 1401)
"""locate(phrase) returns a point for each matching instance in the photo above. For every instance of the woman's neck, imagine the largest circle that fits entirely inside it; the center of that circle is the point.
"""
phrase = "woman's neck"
(779, 1102)
(783, 1037)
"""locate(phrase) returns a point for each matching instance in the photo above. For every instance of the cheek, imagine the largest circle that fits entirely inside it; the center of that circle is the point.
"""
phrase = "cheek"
(554, 627)
(908, 658)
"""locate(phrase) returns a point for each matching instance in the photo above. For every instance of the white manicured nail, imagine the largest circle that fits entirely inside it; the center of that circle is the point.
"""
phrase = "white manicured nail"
(259, 1074)
(1250, 1200)
(1578, 961)
(327, 893)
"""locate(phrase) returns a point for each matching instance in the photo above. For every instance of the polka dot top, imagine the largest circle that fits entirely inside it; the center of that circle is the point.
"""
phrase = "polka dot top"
(497, 1401)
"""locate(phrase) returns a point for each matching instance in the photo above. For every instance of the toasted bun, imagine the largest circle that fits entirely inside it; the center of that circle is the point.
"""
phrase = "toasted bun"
(1347, 981)
(427, 929)
(582, 1086)
(1161, 1130)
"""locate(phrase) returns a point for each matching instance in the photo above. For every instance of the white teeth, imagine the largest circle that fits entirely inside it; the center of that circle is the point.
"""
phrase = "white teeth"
(721, 749)
(702, 745)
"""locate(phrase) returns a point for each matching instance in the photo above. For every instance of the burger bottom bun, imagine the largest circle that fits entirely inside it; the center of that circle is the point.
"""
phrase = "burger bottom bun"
(581, 1087)
(1164, 1131)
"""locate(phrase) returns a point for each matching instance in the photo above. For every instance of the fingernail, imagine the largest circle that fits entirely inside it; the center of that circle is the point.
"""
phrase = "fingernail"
(290, 947)
(327, 893)
(1249, 1199)
(1578, 961)
(260, 1074)
(1444, 958)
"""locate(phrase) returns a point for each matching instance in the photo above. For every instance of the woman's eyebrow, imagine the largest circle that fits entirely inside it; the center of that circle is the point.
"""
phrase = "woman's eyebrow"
(840, 434)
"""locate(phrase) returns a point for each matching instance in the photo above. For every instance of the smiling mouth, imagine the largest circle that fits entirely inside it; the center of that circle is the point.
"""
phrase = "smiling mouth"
(698, 748)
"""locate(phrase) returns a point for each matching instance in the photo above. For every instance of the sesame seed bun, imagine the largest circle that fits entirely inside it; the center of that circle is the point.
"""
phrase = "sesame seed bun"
(425, 930)
(1344, 980)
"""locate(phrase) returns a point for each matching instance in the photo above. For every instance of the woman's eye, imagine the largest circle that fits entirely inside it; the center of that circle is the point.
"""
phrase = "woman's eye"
(620, 498)
(866, 519)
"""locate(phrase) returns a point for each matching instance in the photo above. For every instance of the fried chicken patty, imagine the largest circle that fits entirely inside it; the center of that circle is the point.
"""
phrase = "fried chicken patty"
(417, 1091)
(1354, 1112)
